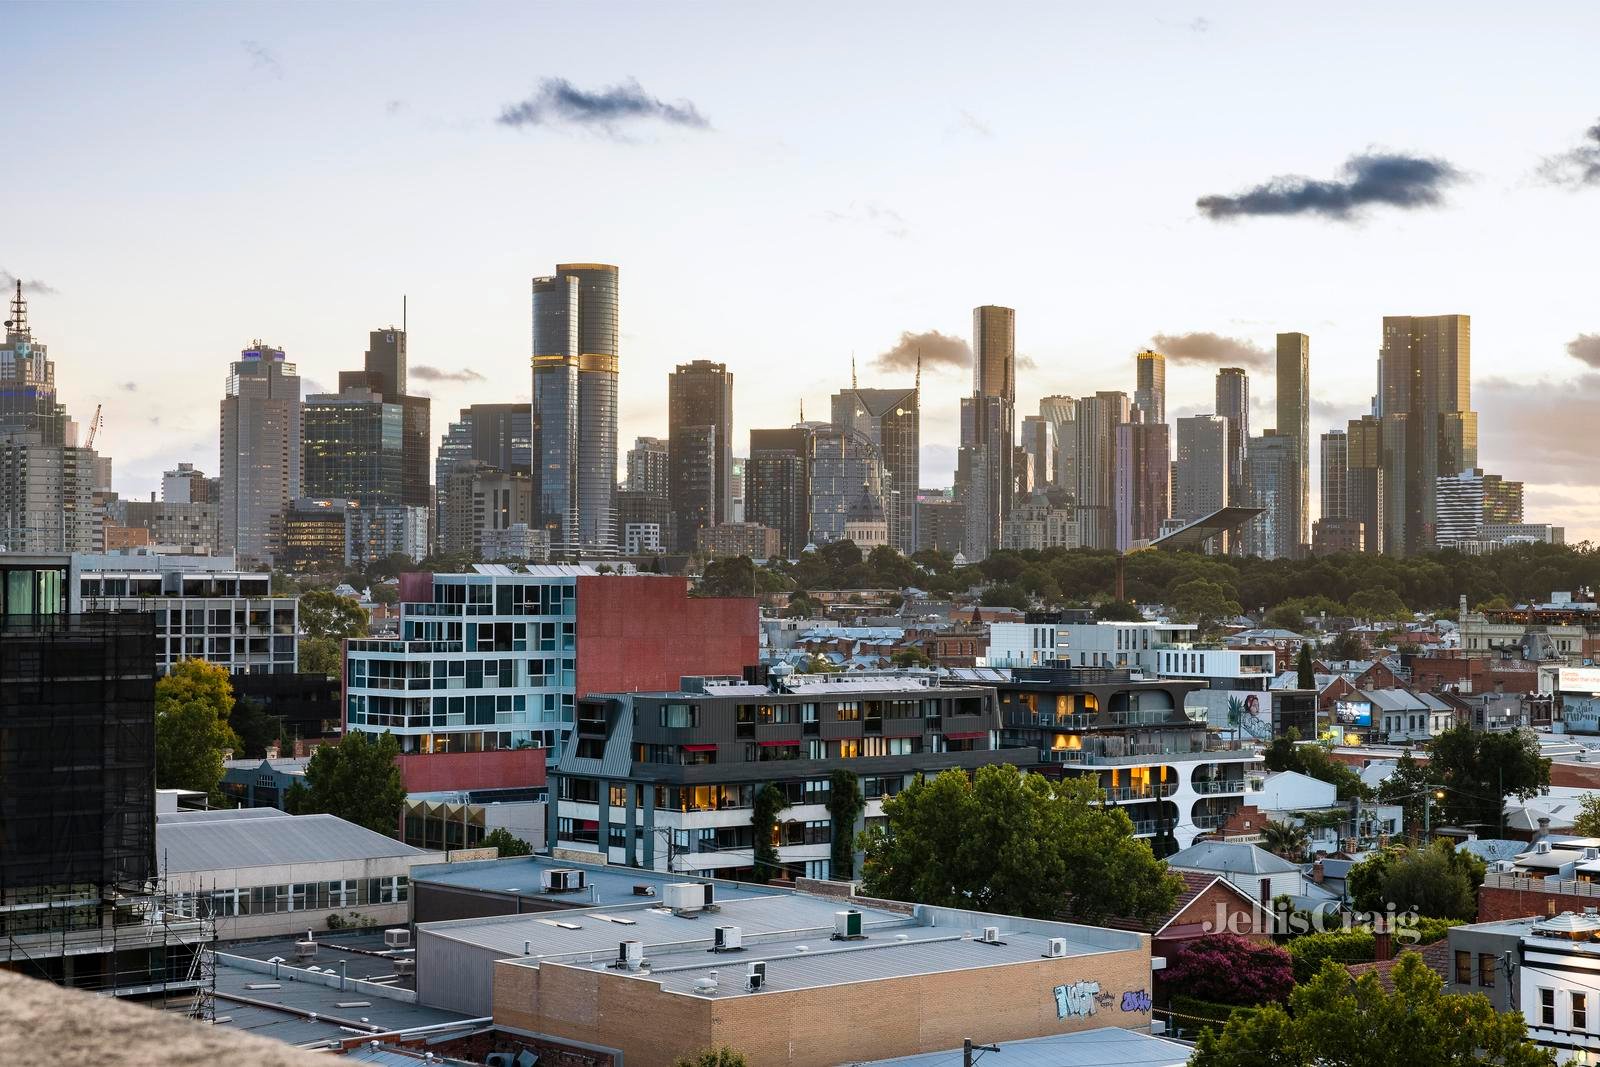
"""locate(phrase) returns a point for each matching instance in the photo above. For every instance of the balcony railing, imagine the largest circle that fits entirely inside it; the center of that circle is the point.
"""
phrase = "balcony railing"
(1227, 785)
(1121, 793)
(1211, 822)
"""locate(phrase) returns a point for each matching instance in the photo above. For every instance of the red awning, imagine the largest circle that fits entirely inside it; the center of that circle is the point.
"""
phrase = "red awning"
(699, 748)
(965, 737)
(779, 744)
(588, 824)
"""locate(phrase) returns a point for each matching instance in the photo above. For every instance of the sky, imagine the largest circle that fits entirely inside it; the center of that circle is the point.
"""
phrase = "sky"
(788, 188)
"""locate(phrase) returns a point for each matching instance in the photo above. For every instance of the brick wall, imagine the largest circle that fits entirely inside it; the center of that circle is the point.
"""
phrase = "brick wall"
(820, 1026)
(638, 633)
(1500, 902)
(519, 768)
(1237, 915)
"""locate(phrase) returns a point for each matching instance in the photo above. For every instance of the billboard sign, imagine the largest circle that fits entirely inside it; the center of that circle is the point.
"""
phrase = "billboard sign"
(1579, 680)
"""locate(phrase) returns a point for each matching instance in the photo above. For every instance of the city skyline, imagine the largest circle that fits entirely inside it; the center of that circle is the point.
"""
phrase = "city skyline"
(926, 265)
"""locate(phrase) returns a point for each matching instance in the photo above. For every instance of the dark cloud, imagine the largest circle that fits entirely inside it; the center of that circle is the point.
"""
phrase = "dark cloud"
(939, 351)
(560, 103)
(1585, 347)
(1370, 180)
(130, 387)
(261, 59)
(30, 286)
(436, 374)
(1538, 430)
(1576, 167)
(1212, 350)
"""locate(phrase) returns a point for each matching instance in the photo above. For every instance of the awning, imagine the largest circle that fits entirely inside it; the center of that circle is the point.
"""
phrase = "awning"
(777, 744)
(966, 737)
(699, 748)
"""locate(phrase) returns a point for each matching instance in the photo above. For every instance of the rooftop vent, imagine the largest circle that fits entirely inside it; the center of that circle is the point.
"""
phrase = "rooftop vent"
(644, 890)
(400, 937)
(630, 955)
(847, 925)
(563, 880)
(305, 950)
(405, 968)
(755, 976)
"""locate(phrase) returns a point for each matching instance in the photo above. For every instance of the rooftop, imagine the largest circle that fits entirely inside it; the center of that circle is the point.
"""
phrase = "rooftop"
(606, 886)
(1230, 857)
(1106, 1046)
(230, 839)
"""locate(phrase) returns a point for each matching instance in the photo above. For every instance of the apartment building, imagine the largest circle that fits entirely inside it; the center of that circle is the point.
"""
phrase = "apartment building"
(1044, 639)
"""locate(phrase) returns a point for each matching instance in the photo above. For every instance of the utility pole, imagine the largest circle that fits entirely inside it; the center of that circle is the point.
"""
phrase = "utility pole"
(968, 1048)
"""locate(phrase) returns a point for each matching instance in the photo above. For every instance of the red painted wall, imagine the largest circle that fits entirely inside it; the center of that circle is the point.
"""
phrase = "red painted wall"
(512, 768)
(416, 587)
(638, 633)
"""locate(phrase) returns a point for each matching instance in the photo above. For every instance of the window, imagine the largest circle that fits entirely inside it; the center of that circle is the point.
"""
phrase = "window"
(680, 715)
(1580, 1011)
(848, 711)
(1547, 1007)
(1463, 968)
(1486, 968)
(849, 749)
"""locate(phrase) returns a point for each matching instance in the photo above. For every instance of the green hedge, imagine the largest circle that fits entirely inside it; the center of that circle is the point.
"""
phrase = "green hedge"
(1310, 951)
(1192, 1013)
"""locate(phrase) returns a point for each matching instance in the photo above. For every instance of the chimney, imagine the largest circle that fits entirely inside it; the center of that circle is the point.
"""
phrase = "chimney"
(1544, 828)
(1266, 893)
(1382, 944)
(1316, 872)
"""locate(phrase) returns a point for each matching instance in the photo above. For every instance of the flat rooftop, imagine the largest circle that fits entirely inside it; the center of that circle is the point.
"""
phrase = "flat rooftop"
(606, 885)
(791, 932)
(1107, 1046)
(362, 952)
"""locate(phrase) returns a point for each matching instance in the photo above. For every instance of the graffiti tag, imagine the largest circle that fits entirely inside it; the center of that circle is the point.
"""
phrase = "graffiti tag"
(1136, 1000)
(1080, 999)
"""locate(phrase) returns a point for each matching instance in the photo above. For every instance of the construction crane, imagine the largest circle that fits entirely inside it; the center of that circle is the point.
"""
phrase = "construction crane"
(95, 424)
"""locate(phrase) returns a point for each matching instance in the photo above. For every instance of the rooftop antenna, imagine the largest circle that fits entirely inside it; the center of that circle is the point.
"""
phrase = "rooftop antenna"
(919, 368)
(402, 313)
(802, 409)
(852, 370)
(19, 312)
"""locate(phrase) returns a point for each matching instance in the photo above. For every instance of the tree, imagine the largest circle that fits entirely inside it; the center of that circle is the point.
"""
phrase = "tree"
(1437, 881)
(1014, 843)
(1285, 839)
(322, 655)
(1410, 786)
(1285, 616)
(384, 593)
(770, 801)
(1006, 595)
(193, 704)
(1378, 604)
(1479, 770)
(324, 613)
(729, 576)
(1118, 611)
(1286, 753)
(356, 779)
(1347, 645)
(254, 728)
(1202, 602)
(1229, 969)
(1334, 1020)
(1587, 824)
(721, 1056)
(1305, 670)
(802, 606)
(911, 656)
(845, 804)
(507, 843)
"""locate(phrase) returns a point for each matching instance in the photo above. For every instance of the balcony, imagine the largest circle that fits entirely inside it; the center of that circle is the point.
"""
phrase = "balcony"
(1122, 793)
(1211, 822)
(1227, 785)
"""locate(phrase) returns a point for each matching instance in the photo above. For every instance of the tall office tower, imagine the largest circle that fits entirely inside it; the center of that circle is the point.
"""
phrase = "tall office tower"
(260, 449)
(352, 447)
(648, 466)
(1233, 404)
(1150, 394)
(48, 501)
(844, 465)
(28, 381)
(1335, 471)
(737, 483)
(699, 395)
(1458, 508)
(1200, 484)
(1274, 485)
(1037, 472)
(186, 485)
(383, 371)
(1294, 420)
(1364, 491)
(1143, 477)
(777, 490)
(1502, 501)
(891, 420)
(1431, 431)
(575, 403)
(985, 478)
(482, 503)
(1061, 412)
(994, 357)
(1096, 424)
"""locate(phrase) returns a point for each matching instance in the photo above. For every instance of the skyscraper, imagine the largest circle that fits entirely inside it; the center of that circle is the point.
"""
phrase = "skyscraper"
(260, 446)
(1458, 508)
(1061, 413)
(985, 478)
(1143, 476)
(1274, 486)
(777, 490)
(1039, 455)
(575, 403)
(891, 419)
(1233, 404)
(1335, 467)
(352, 447)
(699, 395)
(383, 371)
(648, 466)
(1096, 424)
(1294, 420)
(1150, 394)
(1364, 492)
(28, 401)
(1201, 484)
(844, 466)
(1502, 501)
(1431, 431)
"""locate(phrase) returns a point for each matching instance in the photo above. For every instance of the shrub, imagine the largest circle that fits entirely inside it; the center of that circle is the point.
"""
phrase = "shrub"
(1311, 951)
(1230, 969)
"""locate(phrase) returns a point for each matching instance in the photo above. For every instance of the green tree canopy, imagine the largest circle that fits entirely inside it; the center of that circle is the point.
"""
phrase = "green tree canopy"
(1410, 785)
(1006, 595)
(356, 779)
(720, 1056)
(1285, 839)
(1378, 604)
(1203, 602)
(193, 703)
(322, 655)
(770, 802)
(254, 728)
(1305, 671)
(1287, 753)
(324, 613)
(1118, 611)
(1437, 881)
(1014, 843)
(1334, 1020)
(1478, 770)
(1587, 823)
(507, 843)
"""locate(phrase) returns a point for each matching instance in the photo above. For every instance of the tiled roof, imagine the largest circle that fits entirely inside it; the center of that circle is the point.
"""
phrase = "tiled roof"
(1435, 955)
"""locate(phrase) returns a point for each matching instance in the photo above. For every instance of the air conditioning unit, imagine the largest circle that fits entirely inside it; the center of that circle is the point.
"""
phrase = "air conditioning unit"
(688, 896)
(405, 968)
(847, 925)
(563, 880)
(991, 935)
(305, 950)
(644, 890)
(756, 976)
(399, 937)
(1542, 848)
(1058, 948)
(630, 955)
(727, 939)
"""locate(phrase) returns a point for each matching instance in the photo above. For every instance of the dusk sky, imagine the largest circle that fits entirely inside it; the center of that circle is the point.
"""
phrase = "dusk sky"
(785, 185)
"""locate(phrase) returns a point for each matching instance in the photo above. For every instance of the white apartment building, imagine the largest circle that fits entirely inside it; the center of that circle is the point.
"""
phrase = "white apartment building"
(1132, 645)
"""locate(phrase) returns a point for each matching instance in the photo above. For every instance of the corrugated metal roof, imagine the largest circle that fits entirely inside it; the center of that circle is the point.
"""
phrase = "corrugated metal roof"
(223, 843)
(1230, 856)
(279, 1013)
(1108, 1046)
(218, 815)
